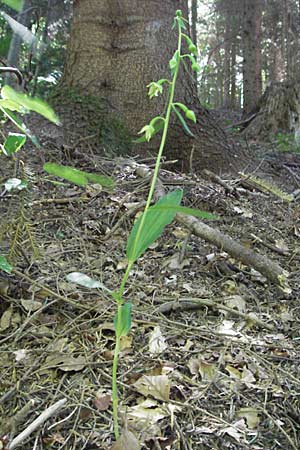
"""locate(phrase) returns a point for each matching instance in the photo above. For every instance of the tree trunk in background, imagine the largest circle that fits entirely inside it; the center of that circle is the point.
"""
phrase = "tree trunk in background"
(252, 81)
(227, 58)
(194, 18)
(229, 11)
(278, 111)
(13, 57)
(43, 40)
(116, 49)
(288, 39)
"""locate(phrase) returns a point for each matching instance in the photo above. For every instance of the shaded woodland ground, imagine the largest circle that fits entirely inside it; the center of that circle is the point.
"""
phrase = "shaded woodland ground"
(226, 370)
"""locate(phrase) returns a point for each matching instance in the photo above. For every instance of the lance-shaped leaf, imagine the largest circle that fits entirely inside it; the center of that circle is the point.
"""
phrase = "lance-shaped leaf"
(183, 122)
(187, 211)
(154, 223)
(77, 176)
(67, 173)
(17, 5)
(122, 320)
(26, 35)
(31, 103)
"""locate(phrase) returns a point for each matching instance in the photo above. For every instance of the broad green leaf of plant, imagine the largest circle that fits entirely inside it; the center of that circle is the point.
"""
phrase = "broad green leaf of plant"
(67, 173)
(187, 211)
(11, 105)
(154, 224)
(31, 103)
(20, 125)
(85, 280)
(13, 143)
(122, 320)
(17, 5)
(77, 176)
(4, 264)
(100, 179)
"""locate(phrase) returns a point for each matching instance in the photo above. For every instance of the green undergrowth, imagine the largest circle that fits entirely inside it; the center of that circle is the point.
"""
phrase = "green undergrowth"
(285, 143)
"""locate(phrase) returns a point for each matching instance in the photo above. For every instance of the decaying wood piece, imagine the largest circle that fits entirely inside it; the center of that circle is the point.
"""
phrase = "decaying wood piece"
(212, 176)
(268, 268)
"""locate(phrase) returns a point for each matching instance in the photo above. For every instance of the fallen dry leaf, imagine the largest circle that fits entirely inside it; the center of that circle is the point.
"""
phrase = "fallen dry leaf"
(148, 411)
(65, 362)
(157, 342)
(31, 305)
(125, 343)
(251, 416)
(127, 441)
(155, 386)
(102, 401)
(6, 319)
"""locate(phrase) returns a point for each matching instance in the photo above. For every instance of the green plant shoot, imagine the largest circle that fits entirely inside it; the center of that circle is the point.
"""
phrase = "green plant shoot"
(154, 219)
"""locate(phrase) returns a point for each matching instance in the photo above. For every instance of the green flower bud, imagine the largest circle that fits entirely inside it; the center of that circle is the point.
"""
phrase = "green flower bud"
(195, 67)
(191, 115)
(192, 48)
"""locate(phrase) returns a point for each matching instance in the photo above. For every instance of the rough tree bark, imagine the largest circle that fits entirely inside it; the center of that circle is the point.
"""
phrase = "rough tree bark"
(252, 82)
(278, 111)
(116, 49)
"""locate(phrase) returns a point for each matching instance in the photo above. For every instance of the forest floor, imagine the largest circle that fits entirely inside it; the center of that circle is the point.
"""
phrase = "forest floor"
(216, 369)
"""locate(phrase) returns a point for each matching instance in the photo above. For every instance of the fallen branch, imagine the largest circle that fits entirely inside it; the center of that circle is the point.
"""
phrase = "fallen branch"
(49, 412)
(268, 268)
(193, 304)
(50, 292)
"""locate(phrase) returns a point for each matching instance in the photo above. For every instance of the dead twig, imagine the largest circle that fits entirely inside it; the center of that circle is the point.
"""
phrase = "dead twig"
(212, 176)
(188, 304)
(49, 412)
(50, 292)
(270, 269)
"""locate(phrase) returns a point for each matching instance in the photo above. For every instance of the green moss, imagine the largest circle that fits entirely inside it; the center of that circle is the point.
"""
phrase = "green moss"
(108, 129)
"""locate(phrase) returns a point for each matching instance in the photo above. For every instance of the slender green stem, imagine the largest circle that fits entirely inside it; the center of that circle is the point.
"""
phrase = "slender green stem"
(130, 263)
(124, 279)
(115, 398)
(162, 143)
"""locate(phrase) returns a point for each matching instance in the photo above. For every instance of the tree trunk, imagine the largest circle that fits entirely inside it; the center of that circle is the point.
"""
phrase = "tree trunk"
(116, 49)
(252, 83)
(194, 18)
(278, 111)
